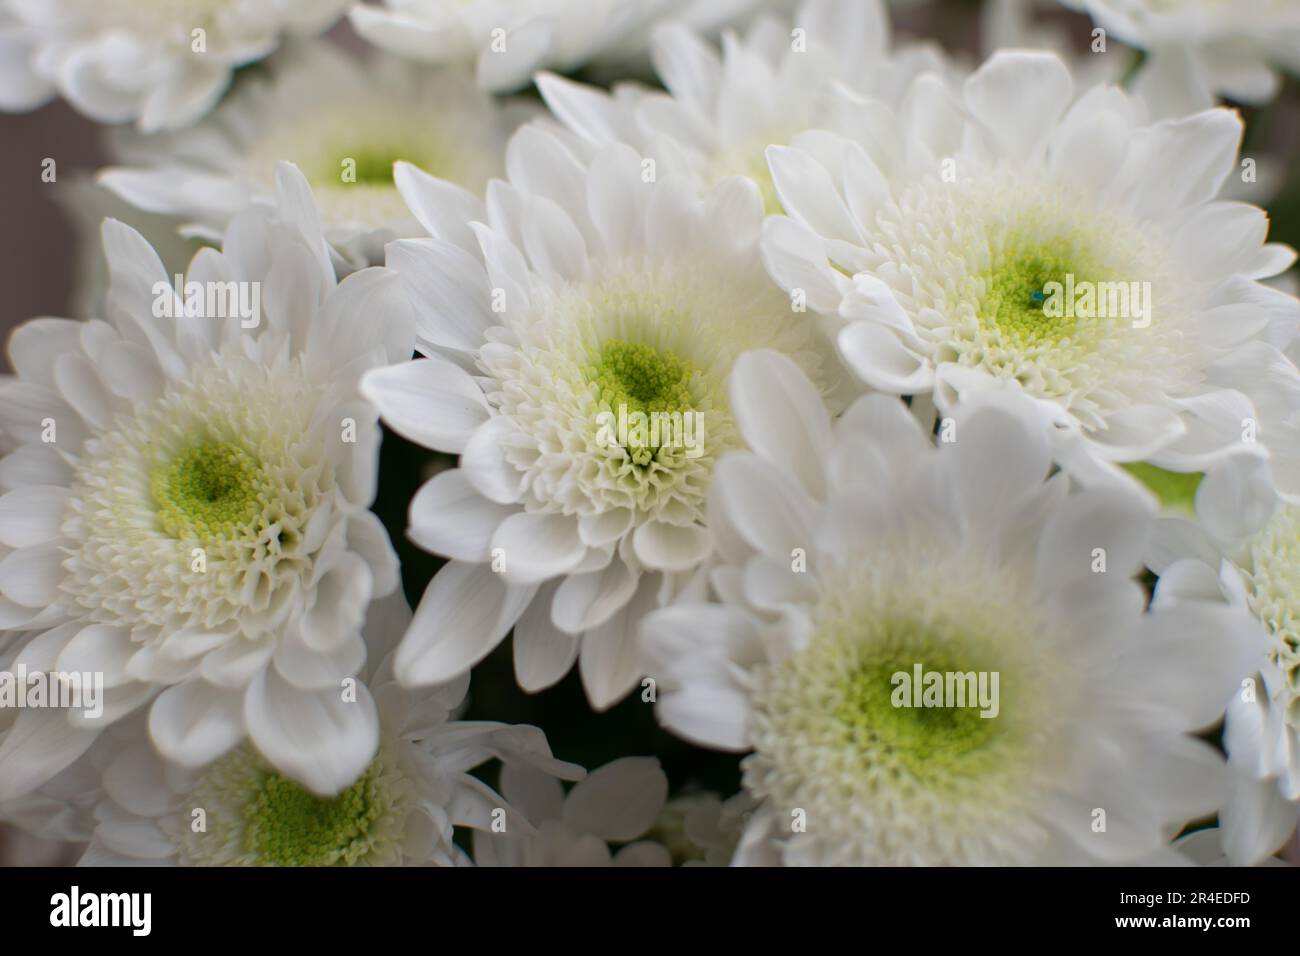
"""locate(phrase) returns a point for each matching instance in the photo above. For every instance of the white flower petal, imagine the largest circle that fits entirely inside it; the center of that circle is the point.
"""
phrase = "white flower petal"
(770, 510)
(1256, 820)
(194, 723)
(442, 208)
(465, 612)
(670, 547)
(101, 649)
(37, 745)
(429, 401)
(781, 416)
(31, 515)
(1109, 519)
(876, 356)
(31, 576)
(584, 601)
(536, 547)
(318, 738)
(619, 801)
(448, 291)
(484, 463)
(610, 659)
(448, 516)
(554, 245)
(543, 653)
(808, 194)
(707, 715)
(1039, 85)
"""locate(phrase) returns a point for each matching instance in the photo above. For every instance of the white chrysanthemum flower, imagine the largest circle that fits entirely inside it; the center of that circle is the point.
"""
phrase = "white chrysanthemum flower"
(344, 123)
(1021, 238)
(1243, 549)
(161, 63)
(857, 552)
(401, 810)
(606, 297)
(509, 40)
(1198, 48)
(186, 507)
(725, 108)
(702, 829)
(614, 804)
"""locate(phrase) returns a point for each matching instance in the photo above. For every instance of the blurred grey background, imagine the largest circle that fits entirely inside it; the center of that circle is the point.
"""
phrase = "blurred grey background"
(36, 238)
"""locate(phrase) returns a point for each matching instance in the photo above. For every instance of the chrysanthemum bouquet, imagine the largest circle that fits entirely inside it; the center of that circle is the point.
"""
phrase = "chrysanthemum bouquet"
(596, 432)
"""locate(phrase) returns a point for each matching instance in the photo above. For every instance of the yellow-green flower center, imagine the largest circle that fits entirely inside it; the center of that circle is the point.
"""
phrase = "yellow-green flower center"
(1018, 299)
(949, 702)
(210, 490)
(632, 378)
(373, 165)
(350, 149)
(877, 715)
(288, 825)
(913, 736)
(347, 148)
(635, 375)
(919, 718)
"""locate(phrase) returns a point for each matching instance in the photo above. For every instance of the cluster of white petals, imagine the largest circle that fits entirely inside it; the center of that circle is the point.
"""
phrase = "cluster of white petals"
(185, 508)
(828, 432)
(159, 63)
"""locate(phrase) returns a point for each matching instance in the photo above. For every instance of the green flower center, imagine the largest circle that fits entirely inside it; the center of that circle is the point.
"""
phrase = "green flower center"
(210, 490)
(632, 377)
(914, 735)
(975, 714)
(635, 375)
(1017, 299)
(915, 723)
(878, 713)
(373, 165)
(376, 168)
(1175, 489)
(288, 825)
